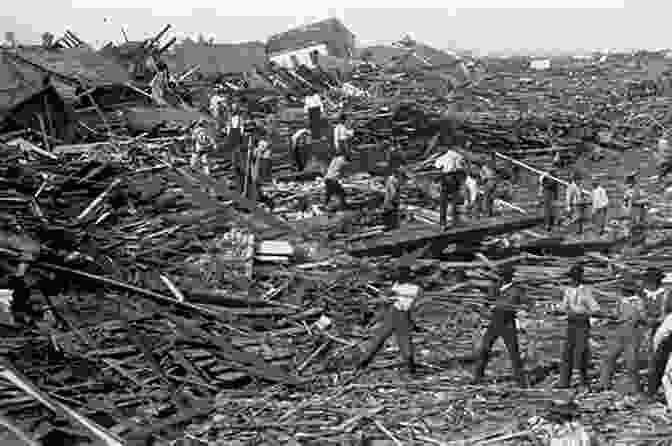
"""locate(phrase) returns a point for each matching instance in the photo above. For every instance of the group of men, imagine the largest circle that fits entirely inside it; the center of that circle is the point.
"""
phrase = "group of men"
(644, 316)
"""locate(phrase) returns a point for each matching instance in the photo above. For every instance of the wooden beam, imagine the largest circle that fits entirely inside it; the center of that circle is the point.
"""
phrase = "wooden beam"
(397, 242)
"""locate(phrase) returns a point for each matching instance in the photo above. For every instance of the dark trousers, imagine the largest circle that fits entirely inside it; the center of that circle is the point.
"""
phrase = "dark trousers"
(489, 189)
(449, 196)
(628, 341)
(657, 365)
(299, 158)
(503, 325)
(315, 122)
(600, 219)
(549, 210)
(576, 353)
(396, 322)
(391, 217)
(333, 187)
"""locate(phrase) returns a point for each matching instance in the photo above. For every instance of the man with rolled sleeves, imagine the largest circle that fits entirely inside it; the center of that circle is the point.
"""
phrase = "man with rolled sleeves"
(629, 337)
(502, 324)
(397, 320)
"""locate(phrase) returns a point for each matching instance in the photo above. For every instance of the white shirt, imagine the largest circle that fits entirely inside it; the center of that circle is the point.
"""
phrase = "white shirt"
(405, 294)
(663, 331)
(573, 434)
(215, 104)
(341, 133)
(472, 188)
(313, 101)
(600, 199)
(449, 161)
(573, 195)
(236, 122)
(580, 300)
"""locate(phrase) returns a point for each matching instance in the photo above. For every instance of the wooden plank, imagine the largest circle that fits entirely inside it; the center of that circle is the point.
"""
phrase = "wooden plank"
(248, 362)
(415, 236)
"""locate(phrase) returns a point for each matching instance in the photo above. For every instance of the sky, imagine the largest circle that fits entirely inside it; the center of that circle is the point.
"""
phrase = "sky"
(559, 26)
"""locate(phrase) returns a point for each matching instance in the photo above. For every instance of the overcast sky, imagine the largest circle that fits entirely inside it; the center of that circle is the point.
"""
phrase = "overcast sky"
(587, 24)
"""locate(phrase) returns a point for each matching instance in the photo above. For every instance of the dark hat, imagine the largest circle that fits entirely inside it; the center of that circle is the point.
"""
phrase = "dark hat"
(576, 271)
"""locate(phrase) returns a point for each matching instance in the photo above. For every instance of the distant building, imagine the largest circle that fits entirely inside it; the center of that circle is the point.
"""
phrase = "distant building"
(304, 45)
(540, 64)
(219, 58)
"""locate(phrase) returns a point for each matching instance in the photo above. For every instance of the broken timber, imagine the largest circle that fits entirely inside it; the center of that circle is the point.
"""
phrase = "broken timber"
(415, 236)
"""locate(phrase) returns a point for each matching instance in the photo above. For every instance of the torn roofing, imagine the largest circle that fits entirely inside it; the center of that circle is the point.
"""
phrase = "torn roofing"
(78, 64)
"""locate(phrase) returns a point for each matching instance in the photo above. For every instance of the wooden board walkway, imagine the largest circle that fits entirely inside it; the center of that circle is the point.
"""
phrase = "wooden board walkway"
(414, 236)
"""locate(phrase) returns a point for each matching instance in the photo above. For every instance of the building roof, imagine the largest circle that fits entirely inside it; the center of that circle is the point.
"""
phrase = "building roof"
(307, 35)
(80, 63)
(220, 58)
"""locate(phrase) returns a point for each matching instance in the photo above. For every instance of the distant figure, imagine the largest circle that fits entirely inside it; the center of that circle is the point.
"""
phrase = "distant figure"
(235, 130)
(452, 165)
(489, 181)
(600, 206)
(160, 84)
(550, 191)
(203, 144)
(332, 178)
(579, 303)
(342, 134)
(300, 144)
(315, 108)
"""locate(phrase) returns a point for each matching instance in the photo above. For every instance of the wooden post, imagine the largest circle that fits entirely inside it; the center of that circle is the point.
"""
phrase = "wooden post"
(43, 130)
(100, 113)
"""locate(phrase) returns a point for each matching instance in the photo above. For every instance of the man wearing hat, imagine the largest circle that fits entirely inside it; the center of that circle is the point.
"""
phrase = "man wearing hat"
(203, 144)
(397, 320)
(393, 190)
(550, 192)
(451, 165)
(502, 323)
(629, 338)
(579, 304)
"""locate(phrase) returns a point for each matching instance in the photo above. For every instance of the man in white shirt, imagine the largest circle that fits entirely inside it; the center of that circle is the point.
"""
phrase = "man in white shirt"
(332, 178)
(314, 107)
(600, 205)
(453, 176)
(579, 303)
(235, 130)
(473, 193)
(397, 320)
(489, 180)
(342, 134)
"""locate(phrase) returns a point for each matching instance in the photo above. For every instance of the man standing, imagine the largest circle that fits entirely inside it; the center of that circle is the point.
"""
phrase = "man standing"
(550, 191)
(342, 134)
(629, 338)
(203, 145)
(503, 324)
(159, 84)
(392, 195)
(397, 320)
(332, 178)
(300, 144)
(235, 130)
(452, 177)
(489, 180)
(579, 304)
(573, 198)
(600, 205)
(261, 170)
(314, 107)
(472, 192)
